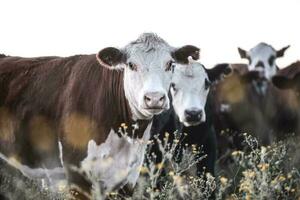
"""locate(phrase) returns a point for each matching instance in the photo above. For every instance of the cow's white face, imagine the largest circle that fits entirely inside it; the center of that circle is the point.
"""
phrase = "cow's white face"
(147, 78)
(189, 89)
(148, 67)
(262, 58)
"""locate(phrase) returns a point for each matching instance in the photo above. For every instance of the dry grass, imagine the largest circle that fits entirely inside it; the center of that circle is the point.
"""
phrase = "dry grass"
(257, 173)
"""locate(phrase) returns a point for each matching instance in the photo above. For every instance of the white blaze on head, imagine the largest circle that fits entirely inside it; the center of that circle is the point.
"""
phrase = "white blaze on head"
(263, 57)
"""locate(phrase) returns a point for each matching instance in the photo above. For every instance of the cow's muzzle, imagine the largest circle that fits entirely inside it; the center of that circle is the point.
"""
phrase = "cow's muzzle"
(193, 117)
(155, 102)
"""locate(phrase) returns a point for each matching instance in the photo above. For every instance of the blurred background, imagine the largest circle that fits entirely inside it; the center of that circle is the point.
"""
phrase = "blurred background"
(38, 27)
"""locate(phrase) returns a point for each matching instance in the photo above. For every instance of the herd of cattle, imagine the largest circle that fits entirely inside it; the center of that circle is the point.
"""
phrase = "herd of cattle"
(58, 111)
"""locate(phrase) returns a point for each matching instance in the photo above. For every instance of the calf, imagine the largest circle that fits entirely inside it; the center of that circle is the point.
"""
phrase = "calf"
(81, 101)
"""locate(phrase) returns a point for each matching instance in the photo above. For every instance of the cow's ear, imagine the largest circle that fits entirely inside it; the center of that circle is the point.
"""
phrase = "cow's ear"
(111, 58)
(280, 52)
(181, 55)
(218, 71)
(243, 53)
(282, 82)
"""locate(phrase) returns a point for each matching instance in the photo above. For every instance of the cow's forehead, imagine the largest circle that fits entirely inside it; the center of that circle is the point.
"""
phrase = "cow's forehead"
(158, 56)
(194, 71)
(262, 50)
(146, 44)
(149, 50)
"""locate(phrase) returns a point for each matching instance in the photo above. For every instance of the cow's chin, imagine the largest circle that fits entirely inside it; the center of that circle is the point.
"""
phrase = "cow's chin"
(192, 123)
(153, 111)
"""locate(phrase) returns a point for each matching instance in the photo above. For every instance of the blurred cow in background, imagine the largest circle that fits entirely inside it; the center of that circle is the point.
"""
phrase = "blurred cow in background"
(245, 102)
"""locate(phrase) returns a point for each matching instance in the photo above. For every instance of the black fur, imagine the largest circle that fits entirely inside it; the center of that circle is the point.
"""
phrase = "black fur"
(181, 55)
(202, 135)
(111, 56)
(218, 71)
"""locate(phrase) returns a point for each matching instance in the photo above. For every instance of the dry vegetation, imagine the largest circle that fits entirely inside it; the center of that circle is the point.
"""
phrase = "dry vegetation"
(257, 172)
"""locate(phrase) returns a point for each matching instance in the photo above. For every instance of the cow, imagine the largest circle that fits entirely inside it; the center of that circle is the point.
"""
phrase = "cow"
(190, 112)
(80, 102)
(244, 102)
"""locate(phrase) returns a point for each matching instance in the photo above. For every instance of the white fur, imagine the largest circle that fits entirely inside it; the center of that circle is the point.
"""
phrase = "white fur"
(149, 77)
(261, 53)
(117, 161)
(190, 92)
(150, 54)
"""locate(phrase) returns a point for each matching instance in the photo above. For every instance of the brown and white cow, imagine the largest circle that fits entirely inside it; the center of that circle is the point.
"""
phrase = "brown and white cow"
(82, 101)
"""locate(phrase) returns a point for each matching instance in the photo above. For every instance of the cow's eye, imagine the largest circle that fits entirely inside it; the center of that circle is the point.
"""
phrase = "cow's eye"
(132, 66)
(271, 60)
(207, 84)
(170, 66)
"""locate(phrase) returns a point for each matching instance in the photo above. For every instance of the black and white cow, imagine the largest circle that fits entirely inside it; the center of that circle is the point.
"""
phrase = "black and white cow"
(190, 112)
(246, 101)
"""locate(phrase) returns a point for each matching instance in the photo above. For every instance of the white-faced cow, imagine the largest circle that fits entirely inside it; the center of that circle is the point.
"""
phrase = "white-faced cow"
(263, 57)
(190, 111)
(83, 99)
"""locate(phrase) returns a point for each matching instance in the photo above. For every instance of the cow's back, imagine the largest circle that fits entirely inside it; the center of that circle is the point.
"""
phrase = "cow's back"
(31, 104)
(291, 70)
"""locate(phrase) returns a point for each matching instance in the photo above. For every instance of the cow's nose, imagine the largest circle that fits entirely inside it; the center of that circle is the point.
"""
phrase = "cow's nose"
(193, 115)
(154, 100)
(260, 64)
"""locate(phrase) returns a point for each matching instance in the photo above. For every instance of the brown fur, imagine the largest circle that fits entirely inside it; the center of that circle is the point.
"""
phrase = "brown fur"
(269, 117)
(76, 97)
(291, 70)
